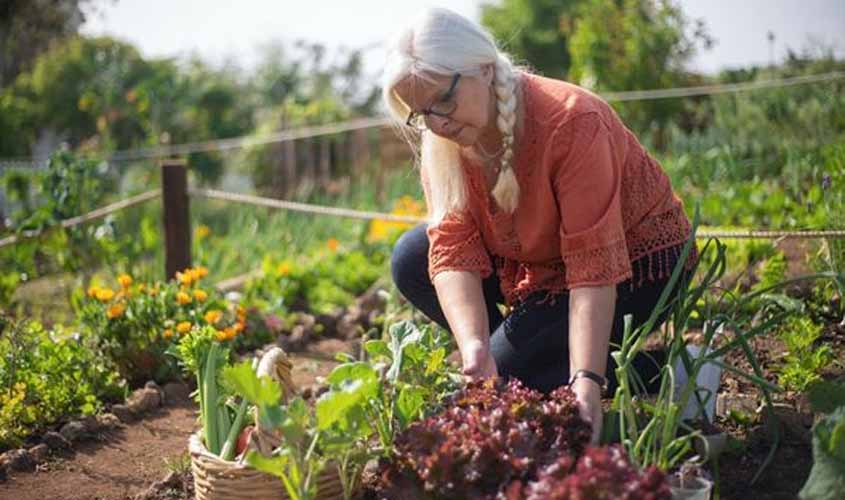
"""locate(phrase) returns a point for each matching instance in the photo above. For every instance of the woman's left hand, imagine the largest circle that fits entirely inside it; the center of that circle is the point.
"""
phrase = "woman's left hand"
(588, 398)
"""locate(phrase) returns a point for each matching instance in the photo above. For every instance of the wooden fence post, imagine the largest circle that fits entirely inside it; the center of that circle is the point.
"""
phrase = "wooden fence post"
(177, 225)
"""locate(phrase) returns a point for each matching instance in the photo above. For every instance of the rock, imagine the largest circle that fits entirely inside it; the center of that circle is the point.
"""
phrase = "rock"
(123, 413)
(372, 300)
(350, 327)
(176, 391)
(298, 337)
(17, 460)
(741, 403)
(152, 385)
(791, 423)
(55, 441)
(90, 423)
(144, 400)
(108, 421)
(74, 431)
(39, 453)
(329, 321)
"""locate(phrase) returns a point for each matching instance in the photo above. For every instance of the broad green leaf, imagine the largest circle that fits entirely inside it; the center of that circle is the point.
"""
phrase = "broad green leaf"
(335, 404)
(274, 465)
(344, 374)
(409, 403)
(243, 380)
(377, 348)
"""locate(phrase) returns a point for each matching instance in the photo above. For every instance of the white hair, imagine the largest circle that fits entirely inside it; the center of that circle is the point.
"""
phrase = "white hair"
(441, 42)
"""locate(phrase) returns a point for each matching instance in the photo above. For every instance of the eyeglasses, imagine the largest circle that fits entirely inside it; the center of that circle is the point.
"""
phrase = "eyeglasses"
(442, 107)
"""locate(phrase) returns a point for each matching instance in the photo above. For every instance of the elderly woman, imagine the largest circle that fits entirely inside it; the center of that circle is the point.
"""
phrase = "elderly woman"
(539, 198)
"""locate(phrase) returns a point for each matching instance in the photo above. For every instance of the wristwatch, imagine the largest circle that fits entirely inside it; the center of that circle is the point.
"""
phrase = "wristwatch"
(595, 377)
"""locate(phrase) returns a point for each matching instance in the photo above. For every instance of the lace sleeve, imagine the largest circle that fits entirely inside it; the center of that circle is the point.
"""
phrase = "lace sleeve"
(587, 184)
(455, 243)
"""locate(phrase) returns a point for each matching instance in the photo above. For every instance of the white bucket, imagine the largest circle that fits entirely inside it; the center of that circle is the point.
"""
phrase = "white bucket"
(707, 383)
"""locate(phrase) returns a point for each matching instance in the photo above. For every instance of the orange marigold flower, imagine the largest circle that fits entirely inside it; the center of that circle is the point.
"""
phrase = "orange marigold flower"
(200, 295)
(183, 298)
(104, 294)
(125, 280)
(184, 327)
(115, 310)
(239, 327)
(167, 333)
(213, 316)
(185, 277)
(92, 291)
(333, 244)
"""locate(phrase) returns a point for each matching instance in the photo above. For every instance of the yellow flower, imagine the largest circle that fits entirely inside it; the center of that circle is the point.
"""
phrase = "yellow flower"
(167, 333)
(125, 280)
(202, 231)
(183, 298)
(115, 310)
(92, 291)
(142, 287)
(104, 294)
(184, 327)
(201, 271)
(333, 244)
(213, 316)
(200, 295)
(185, 277)
(283, 269)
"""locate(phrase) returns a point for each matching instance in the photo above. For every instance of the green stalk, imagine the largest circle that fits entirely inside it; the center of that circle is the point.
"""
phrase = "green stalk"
(212, 437)
(223, 424)
(228, 451)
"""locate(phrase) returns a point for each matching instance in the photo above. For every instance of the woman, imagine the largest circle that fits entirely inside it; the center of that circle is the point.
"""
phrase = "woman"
(539, 198)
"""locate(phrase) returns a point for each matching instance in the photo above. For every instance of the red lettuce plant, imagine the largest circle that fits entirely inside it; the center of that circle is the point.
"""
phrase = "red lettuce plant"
(601, 473)
(489, 435)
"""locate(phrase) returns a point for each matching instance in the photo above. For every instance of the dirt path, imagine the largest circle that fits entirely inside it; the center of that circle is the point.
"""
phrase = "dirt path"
(124, 462)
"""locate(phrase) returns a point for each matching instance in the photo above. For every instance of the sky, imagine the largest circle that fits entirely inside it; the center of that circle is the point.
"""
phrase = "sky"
(218, 30)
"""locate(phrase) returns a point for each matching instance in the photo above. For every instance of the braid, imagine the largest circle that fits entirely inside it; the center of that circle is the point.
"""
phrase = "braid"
(506, 190)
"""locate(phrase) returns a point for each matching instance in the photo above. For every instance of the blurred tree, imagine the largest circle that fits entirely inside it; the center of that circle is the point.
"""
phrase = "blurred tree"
(28, 27)
(619, 45)
(535, 32)
(81, 90)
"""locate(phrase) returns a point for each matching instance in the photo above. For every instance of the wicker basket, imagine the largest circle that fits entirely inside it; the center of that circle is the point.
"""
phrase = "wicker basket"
(218, 479)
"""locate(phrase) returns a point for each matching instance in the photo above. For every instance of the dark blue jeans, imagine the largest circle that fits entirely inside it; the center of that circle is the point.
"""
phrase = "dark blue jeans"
(531, 343)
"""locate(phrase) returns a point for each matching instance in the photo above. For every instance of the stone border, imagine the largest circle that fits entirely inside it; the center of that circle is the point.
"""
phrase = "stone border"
(140, 403)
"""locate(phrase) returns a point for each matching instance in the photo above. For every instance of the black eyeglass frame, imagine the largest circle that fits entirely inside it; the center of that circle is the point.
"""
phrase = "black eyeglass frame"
(444, 98)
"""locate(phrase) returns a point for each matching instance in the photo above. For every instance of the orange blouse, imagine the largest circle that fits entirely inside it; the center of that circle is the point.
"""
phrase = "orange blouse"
(592, 202)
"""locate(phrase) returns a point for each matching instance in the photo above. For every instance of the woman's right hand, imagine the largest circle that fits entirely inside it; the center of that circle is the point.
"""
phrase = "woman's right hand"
(478, 362)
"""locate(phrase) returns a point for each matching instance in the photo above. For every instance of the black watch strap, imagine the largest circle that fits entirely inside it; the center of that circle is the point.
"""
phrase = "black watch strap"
(595, 377)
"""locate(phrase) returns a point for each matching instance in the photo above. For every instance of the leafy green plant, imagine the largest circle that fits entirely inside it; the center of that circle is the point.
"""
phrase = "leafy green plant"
(48, 376)
(803, 360)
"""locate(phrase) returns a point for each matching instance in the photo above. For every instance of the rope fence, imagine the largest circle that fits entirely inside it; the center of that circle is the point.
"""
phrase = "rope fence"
(87, 217)
(293, 206)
